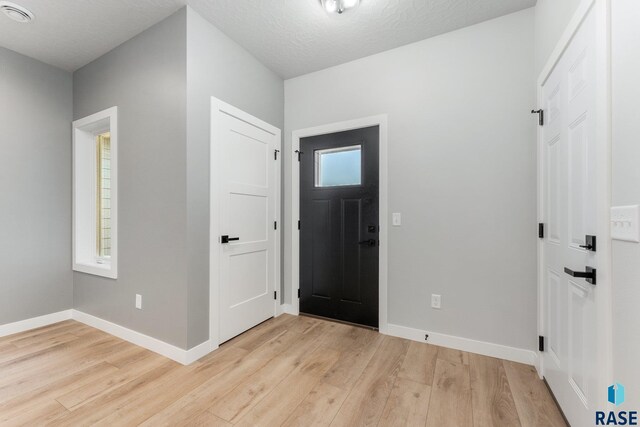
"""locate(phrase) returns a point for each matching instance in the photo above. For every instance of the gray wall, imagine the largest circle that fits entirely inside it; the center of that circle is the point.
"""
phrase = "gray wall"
(462, 172)
(146, 79)
(35, 184)
(626, 191)
(551, 19)
(216, 66)
(162, 82)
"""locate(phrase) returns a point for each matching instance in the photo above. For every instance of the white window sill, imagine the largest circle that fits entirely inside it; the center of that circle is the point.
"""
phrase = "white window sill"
(105, 269)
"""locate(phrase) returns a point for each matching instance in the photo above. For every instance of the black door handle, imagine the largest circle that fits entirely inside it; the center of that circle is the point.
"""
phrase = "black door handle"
(590, 243)
(370, 242)
(227, 239)
(589, 275)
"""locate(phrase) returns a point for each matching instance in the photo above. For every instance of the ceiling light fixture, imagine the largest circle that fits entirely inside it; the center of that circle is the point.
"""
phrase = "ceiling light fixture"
(339, 6)
(16, 12)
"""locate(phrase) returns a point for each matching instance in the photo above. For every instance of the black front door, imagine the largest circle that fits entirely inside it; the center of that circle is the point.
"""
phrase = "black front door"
(339, 225)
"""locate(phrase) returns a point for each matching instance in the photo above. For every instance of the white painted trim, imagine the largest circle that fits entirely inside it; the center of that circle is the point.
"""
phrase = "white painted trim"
(513, 354)
(80, 128)
(602, 10)
(294, 242)
(214, 212)
(197, 352)
(604, 191)
(34, 322)
(289, 309)
(170, 351)
(187, 357)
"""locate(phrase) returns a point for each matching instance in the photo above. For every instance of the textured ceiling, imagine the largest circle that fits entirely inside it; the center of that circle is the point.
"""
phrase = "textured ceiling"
(72, 33)
(295, 37)
(292, 37)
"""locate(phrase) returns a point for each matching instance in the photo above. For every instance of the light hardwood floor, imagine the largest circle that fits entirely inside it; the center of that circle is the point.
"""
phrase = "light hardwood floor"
(292, 371)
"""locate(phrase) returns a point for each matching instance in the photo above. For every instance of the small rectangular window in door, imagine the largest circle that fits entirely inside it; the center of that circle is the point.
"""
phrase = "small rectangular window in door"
(338, 166)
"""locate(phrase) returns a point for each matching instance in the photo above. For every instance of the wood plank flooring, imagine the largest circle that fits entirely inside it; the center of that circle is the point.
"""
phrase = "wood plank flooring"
(288, 371)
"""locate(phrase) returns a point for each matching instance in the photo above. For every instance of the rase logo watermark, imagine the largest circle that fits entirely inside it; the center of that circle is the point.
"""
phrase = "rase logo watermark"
(615, 396)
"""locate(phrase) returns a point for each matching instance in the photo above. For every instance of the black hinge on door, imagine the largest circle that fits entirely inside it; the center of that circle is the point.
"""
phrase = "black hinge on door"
(298, 224)
(540, 343)
(540, 114)
(298, 292)
(275, 225)
(275, 154)
(299, 153)
(275, 294)
(541, 230)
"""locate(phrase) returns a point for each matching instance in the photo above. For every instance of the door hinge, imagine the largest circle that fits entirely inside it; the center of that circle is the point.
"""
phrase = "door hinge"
(298, 224)
(541, 230)
(275, 225)
(540, 343)
(275, 154)
(540, 114)
(299, 153)
(298, 292)
(275, 294)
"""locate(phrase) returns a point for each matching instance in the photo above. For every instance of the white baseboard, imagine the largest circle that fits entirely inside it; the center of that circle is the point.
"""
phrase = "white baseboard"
(288, 308)
(186, 357)
(198, 352)
(170, 351)
(34, 322)
(513, 354)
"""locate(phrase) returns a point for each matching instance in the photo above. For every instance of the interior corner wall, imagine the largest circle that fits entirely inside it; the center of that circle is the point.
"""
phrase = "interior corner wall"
(219, 67)
(551, 19)
(462, 171)
(35, 177)
(145, 78)
(626, 191)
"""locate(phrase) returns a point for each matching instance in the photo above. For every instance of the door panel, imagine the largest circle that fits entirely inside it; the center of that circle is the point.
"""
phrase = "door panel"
(248, 191)
(338, 273)
(570, 212)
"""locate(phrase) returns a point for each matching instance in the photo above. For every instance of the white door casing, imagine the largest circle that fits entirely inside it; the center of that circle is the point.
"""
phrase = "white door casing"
(245, 191)
(573, 203)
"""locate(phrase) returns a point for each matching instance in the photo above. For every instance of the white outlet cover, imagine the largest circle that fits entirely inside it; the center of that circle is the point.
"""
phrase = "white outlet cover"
(139, 301)
(436, 301)
(624, 223)
(396, 219)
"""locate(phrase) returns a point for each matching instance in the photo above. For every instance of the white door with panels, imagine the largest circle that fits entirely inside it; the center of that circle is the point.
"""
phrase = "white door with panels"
(570, 209)
(245, 218)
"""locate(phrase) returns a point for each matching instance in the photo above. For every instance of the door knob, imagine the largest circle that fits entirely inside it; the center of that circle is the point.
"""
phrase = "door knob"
(370, 242)
(589, 274)
(227, 239)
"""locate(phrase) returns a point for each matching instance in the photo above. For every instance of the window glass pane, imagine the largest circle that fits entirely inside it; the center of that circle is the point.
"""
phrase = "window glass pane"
(338, 166)
(104, 195)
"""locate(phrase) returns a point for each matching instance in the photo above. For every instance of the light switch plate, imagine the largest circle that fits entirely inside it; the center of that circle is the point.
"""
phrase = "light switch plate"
(139, 301)
(396, 219)
(624, 223)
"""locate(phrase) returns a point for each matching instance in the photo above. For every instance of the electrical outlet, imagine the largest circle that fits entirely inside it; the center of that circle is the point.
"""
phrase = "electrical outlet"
(396, 219)
(435, 301)
(139, 301)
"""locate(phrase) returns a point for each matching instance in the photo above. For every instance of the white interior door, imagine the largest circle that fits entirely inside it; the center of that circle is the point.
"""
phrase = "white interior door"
(569, 198)
(248, 180)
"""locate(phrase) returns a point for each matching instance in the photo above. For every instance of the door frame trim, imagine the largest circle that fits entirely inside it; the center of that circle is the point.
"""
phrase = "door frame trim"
(602, 10)
(292, 243)
(218, 106)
